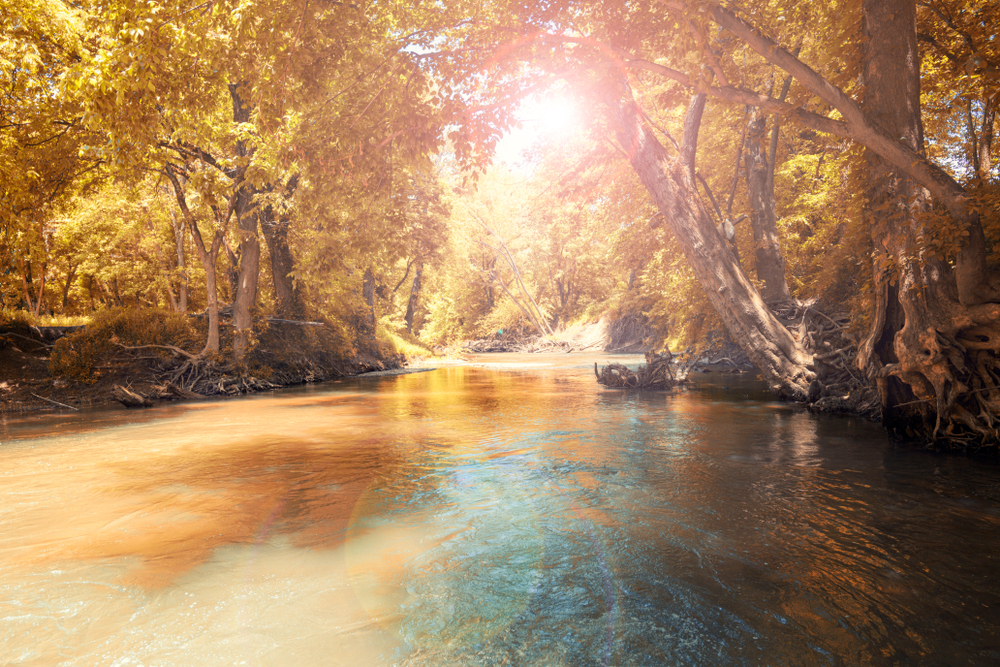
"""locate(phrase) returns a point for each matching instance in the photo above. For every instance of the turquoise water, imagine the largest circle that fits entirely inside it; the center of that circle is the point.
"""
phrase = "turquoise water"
(508, 513)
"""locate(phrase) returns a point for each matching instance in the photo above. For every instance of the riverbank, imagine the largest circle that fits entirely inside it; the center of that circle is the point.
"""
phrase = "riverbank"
(42, 369)
(289, 355)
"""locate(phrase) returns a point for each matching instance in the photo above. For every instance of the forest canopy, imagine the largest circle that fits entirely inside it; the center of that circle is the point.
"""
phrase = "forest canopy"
(747, 169)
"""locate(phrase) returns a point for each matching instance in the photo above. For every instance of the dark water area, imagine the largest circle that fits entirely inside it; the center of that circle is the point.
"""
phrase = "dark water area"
(512, 512)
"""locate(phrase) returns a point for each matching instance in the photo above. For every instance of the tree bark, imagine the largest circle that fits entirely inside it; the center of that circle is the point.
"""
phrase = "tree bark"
(275, 227)
(182, 288)
(245, 298)
(784, 364)
(70, 274)
(931, 351)
(207, 258)
(40, 296)
(26, 284)
(288, 300)
(984, 146)
(411, 305)
(368, 293)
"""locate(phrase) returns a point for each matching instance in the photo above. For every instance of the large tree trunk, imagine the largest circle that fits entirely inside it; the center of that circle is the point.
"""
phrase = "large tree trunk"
(275, 227)
(245, 299)
(783, 363)
(763, 220)
(288, 300)
(932, 349)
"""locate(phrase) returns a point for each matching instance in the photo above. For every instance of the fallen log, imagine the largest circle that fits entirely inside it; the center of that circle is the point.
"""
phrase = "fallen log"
(130, 399)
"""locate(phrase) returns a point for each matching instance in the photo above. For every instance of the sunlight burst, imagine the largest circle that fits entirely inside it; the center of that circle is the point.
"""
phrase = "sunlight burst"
(553, 117)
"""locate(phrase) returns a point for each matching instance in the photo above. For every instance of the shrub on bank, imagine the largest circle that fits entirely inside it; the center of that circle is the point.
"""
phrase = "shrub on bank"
(75, 355)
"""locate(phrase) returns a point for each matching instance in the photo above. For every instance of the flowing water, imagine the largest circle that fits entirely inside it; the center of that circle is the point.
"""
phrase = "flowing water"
(511, 513)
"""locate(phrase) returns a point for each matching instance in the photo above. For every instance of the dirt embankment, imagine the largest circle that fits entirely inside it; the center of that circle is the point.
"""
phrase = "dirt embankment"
(285, 356)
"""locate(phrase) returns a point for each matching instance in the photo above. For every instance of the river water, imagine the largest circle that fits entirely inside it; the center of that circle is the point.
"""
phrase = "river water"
(508, 513)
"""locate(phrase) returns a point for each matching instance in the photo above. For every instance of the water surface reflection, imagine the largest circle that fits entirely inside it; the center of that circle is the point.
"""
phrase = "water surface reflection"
(504, 514)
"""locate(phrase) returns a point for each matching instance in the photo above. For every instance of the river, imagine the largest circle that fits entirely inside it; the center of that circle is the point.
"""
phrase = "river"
(511, 512)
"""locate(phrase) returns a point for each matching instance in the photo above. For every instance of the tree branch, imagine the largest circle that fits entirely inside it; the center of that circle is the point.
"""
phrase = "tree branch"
(692, 123)
(856, 126)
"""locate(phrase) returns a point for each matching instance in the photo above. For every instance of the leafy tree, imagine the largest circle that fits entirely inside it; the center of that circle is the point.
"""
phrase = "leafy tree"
(940, 339)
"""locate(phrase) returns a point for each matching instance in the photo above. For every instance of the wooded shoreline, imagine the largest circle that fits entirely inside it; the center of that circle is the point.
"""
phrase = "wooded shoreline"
(137, 386)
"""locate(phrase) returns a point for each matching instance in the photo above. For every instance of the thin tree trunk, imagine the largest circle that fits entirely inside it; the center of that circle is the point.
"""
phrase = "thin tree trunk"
(970, 130)
(985, 146)
(90, 291)
(27, 284)
(763, 220)
(40, 295)
(70, 274)
(182, 288)
(537, 316)
(368, 293)
(411, 305)
(736, 169)
(207, 257)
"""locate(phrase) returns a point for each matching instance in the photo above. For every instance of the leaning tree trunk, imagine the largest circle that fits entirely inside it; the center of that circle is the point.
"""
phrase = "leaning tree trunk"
(784, 364)
(932, 347)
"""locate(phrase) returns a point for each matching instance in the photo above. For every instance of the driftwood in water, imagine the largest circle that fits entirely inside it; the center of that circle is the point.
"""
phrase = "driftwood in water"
(520, 345)
(656, 373)
(130, 399)
(170, 389)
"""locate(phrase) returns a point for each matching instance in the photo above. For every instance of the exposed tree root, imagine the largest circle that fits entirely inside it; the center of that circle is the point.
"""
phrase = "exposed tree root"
(656, 373)
(837, 388)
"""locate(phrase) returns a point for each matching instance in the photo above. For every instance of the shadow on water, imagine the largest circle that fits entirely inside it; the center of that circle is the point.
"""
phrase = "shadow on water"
(508, 513)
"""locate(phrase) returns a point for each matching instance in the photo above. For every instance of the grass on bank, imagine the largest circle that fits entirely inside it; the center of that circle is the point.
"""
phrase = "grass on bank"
(23, 317)
(403, 342)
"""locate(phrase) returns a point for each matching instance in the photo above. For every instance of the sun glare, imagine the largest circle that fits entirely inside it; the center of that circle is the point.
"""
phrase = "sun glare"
(549, 118)
(555, 116)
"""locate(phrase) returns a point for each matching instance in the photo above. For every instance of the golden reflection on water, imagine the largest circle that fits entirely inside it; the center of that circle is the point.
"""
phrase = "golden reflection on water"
(441, 513)
(165, 500)
(162, 497)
